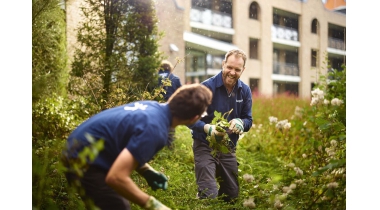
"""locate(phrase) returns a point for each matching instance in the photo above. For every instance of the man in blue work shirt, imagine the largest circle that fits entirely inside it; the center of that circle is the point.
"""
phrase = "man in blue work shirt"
(229, 92)
(133, 133)
(166, 71)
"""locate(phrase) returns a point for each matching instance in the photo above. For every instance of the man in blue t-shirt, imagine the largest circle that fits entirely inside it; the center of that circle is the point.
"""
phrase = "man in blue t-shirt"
(166, 71)
(229, 92)
(132, 133)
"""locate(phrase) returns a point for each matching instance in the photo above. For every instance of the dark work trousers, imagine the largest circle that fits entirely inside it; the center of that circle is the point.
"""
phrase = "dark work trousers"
(99, 192)
(223, 168)
(171, 138)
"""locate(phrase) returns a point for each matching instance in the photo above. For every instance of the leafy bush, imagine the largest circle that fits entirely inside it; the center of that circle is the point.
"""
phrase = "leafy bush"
(53, 119)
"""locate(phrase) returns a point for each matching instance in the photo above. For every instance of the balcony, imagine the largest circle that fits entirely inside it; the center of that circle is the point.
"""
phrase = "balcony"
(208, 18)
(281, 32)
(290, 69)
(337, 44)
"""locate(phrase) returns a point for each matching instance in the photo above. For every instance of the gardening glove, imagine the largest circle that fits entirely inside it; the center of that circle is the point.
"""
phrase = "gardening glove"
(154, 204)
(211, 131)
(236, 126)
(154, 178)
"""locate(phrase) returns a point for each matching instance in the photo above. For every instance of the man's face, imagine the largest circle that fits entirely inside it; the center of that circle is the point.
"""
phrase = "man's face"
(232, 70)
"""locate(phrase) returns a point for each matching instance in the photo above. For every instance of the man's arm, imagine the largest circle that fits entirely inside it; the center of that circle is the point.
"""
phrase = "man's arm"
(119, 178)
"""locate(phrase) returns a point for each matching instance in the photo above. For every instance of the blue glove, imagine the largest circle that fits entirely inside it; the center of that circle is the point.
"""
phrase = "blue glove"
(211, 131)
(236, 126)
(155, 179)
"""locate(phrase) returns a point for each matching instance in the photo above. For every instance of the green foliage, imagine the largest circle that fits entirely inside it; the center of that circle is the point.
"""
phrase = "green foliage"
(221, 124)
(49, 55)
(120, 59)
(53, 119)
(78, 166)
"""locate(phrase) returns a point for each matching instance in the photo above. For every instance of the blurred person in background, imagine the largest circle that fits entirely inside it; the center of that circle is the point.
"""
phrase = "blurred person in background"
(166, 71)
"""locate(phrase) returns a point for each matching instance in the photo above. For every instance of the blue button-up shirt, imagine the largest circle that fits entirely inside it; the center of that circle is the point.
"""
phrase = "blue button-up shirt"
(240, 100)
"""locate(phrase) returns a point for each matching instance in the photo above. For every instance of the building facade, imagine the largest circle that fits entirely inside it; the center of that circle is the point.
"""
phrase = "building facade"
(289, 43)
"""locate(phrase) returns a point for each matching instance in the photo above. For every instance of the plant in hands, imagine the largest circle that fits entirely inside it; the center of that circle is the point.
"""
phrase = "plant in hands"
(217, 143)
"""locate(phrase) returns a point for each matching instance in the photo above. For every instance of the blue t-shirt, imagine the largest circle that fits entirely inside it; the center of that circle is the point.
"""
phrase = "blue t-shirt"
(142, 127)
(176, 83)
(240, 100)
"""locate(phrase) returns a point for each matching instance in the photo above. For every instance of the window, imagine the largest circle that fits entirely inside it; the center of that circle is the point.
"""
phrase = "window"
(314, 58)
(254, 85)
(254, 11)
(253, 49)
(314, 26)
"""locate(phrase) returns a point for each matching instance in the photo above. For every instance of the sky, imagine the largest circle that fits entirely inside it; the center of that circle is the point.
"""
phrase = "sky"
(362, 109)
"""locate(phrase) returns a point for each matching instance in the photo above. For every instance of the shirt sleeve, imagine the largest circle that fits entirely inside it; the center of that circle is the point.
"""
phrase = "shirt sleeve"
(246, 113)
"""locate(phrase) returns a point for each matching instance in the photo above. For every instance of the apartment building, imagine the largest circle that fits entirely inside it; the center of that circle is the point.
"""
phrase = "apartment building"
(287, 41)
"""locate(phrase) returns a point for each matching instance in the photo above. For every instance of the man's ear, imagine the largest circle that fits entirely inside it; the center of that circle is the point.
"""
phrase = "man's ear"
(195, 119)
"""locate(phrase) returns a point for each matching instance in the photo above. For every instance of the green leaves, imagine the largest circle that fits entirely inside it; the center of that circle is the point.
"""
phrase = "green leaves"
(221, 125)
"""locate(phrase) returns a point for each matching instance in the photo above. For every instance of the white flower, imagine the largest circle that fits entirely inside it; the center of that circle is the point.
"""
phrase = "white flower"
(336, 102)
(299, 172)
(286, 190)
(272, 119)
(292, 186)
(278, 204)
(281, 124)
(332, 185)
(249, 203)
(291, 165)
(304, 155)
(317, 93)
(299, 181)
(314, 101)
(326, 102)
(253, 126)
(318, 96)
(304, 124)
(287, 125)
(333, 143)
(248, 177)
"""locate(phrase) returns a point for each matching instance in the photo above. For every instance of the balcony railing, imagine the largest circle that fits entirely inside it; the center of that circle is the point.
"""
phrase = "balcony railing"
(337, 44)
(290, 69)
(210, 17)
(282, 32)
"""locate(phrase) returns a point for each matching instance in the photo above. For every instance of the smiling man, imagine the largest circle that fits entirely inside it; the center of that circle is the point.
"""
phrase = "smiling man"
(229, 92)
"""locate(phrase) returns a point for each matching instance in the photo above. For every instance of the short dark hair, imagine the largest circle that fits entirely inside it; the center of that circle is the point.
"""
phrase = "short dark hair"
(190, 100)
(166, 66)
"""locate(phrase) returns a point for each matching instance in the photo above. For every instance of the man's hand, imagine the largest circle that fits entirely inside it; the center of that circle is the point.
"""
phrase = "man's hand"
(154, 178)
(154, 204)
(211, 131)
(236, 126)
